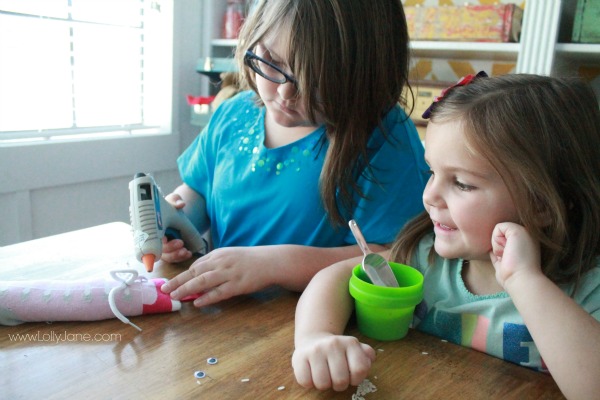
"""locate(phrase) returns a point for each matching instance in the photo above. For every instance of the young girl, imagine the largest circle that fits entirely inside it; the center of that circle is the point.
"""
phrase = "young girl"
(318, 140)
(508, 244)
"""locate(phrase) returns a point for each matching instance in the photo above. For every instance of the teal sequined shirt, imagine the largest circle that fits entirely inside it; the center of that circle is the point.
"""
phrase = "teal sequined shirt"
(264, 196)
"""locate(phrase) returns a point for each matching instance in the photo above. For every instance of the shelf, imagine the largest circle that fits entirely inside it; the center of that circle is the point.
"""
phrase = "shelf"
(581, 52)
(213, 66)
(544, 23)
(224, 42)
(441, 49)
(459, 50)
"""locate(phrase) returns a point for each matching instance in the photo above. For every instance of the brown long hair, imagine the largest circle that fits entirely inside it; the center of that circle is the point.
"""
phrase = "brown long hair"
(542, 136)
(351, 60)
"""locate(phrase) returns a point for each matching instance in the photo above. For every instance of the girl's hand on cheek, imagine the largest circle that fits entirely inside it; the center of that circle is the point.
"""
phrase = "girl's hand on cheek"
(514, 252)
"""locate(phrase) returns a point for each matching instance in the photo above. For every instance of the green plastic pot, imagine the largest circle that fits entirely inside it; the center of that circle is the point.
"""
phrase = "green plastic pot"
(385, 313)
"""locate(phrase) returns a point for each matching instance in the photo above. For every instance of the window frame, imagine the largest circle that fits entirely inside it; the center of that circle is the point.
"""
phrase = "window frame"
(139, 77)
(28, 166)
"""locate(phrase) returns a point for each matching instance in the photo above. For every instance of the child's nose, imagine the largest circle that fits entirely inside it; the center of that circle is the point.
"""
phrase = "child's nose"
(287, 90)
(431, 194)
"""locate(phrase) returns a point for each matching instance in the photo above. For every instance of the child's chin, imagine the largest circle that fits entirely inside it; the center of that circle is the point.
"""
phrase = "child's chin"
(446, 252)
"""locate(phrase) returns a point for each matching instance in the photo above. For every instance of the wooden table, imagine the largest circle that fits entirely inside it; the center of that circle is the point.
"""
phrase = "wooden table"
(251, 336)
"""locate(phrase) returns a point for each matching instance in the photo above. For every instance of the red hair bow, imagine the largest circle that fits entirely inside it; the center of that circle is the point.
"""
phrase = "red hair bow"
(465, 80)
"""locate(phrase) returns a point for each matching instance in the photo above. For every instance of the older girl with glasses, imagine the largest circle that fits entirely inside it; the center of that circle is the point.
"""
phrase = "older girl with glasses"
(318, 139)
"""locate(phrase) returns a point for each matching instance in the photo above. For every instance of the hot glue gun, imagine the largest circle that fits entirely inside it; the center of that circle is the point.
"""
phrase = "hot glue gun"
(152, 217)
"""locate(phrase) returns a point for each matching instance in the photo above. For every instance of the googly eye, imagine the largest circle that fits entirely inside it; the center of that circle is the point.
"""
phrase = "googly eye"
(212, 361)
(199, 374)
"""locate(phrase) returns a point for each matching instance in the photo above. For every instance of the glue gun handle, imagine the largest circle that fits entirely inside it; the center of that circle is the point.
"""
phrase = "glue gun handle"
(176, 219)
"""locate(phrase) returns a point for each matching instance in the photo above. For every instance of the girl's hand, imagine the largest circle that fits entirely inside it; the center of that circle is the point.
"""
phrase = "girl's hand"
(224, 273)
(175, 200)
(332, 361)
(174, 251)
(514, 252)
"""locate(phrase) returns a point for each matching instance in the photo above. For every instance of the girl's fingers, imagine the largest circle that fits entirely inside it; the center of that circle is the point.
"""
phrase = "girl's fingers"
(302, 371)
(320, 373)
(359, 362)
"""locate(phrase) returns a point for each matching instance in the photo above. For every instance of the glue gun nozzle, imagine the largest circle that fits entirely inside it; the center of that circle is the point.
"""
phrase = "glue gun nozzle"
(148, 260)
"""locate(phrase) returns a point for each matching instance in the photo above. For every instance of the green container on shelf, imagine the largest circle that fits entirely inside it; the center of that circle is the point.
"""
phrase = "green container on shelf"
(586, 28)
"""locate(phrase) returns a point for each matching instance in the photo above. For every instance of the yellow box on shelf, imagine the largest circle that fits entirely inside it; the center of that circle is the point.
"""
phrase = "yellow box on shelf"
(473, 23)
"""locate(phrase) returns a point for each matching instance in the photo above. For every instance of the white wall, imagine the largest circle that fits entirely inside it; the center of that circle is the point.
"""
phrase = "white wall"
(55, 188)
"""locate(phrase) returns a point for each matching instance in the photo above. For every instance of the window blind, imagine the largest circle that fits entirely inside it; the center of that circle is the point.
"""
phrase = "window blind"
(79, 68)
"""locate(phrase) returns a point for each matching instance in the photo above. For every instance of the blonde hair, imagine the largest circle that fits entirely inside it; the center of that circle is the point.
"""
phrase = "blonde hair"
(542, 135)
(350, 58)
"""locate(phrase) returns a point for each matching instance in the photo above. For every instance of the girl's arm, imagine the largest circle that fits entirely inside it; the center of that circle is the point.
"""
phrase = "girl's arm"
(187, 198)
(567, 337)
(323, 357)
(231, 271)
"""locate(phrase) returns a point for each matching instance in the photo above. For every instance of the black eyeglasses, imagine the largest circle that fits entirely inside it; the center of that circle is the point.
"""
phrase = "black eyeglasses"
(266, 69)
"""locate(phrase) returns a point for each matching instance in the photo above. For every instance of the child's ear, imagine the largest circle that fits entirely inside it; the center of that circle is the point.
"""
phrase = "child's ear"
(544, 215)
(543, 218)
(536, 211)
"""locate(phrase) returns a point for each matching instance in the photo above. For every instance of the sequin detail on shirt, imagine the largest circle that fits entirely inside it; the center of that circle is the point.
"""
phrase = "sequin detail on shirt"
(262, 159)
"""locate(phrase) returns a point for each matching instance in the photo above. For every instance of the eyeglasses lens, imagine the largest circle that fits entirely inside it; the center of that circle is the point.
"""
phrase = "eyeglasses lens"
(267, 71)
